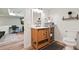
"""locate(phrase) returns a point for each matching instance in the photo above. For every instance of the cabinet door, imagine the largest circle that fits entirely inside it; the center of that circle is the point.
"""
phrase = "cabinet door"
(42, 34)
(45, 34)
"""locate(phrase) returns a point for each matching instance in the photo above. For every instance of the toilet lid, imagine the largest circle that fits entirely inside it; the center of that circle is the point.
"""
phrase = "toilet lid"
(69, 39)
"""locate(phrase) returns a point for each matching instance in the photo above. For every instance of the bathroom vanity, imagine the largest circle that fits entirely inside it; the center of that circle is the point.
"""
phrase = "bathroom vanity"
(41, 36)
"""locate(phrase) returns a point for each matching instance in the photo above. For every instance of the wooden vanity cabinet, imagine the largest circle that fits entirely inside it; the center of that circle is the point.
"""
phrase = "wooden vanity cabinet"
(40, 37)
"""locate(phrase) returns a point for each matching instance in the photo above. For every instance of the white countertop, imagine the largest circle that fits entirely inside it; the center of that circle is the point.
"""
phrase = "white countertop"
(39, 27)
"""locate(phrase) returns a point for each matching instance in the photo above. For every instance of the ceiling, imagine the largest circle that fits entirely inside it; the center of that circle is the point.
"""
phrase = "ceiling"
(17, 11)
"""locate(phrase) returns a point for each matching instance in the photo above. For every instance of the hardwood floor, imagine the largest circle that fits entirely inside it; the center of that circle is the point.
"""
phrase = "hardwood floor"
(17, 45)
(13, 46)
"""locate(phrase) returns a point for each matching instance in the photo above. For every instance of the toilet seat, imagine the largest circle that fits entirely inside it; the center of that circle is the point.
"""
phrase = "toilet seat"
(69, 41)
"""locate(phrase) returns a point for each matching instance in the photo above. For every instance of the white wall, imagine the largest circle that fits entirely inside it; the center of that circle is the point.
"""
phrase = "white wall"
(62, 26)
(27, 28)
(7, 21)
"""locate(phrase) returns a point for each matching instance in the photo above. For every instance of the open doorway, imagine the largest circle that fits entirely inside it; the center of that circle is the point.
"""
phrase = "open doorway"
(11, 28)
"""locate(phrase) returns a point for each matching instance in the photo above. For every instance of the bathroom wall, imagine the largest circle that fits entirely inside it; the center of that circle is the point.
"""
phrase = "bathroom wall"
(66, 25)
(27, 28)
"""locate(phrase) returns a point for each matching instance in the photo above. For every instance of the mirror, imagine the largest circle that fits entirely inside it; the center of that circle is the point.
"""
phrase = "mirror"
(36, 15)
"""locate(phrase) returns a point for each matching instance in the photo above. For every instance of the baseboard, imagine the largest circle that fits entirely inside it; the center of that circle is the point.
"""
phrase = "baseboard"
(60, 42)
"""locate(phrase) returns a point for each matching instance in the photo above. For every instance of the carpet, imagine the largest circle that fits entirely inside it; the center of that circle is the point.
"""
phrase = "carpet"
(54, 46)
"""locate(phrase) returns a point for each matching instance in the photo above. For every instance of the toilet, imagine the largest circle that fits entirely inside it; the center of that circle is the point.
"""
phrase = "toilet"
(69, 40)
